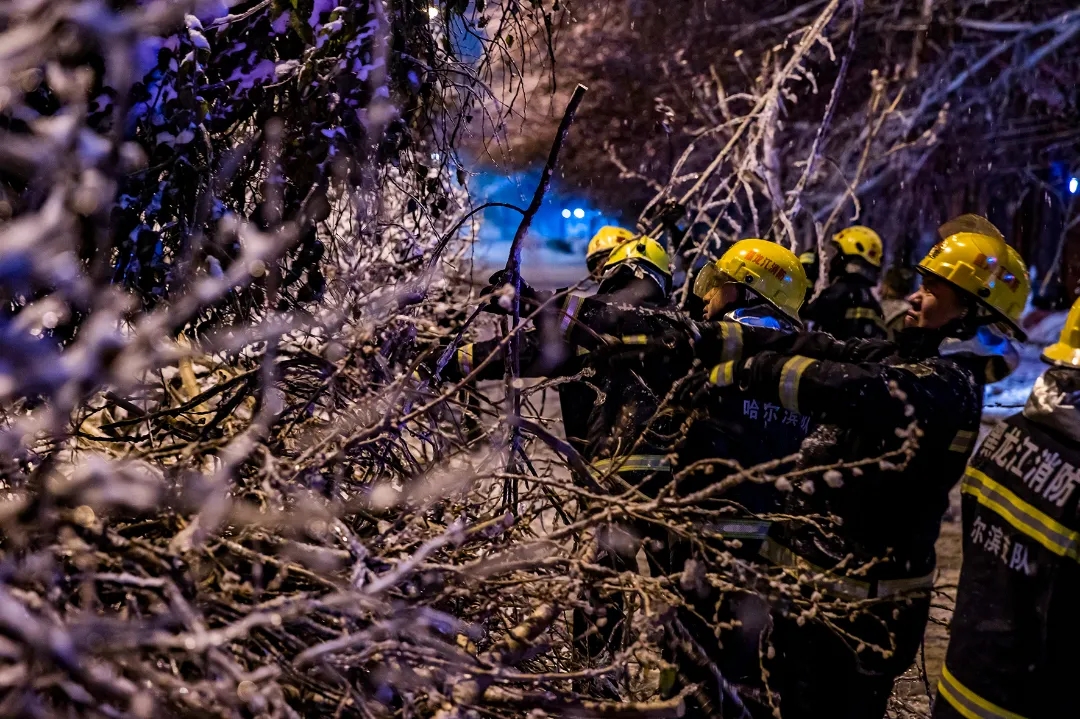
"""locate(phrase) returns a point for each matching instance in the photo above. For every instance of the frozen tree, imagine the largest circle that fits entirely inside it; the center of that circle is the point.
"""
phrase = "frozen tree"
(234, 249)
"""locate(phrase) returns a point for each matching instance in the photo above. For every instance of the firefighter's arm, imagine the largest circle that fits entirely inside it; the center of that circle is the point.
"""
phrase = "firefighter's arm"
(471, 357)
(531, 298)
(487, 359)
(848, 393)
(733, 342)
(589, 324)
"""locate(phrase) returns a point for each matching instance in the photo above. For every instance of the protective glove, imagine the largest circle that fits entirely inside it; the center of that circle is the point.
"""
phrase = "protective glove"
(530, 297)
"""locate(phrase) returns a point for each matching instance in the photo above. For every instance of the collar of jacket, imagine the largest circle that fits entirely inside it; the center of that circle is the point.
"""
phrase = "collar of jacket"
(1055, 401)
(919, 342)
(991, 353)
(762, 315)
(859, 273)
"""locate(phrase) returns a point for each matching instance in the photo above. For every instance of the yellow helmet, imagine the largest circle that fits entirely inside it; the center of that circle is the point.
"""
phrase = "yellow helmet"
(810, 265)
(772, 271)
(606, 239)
(644, 252)
(859, 241)
(986, 268)
(1066, 351)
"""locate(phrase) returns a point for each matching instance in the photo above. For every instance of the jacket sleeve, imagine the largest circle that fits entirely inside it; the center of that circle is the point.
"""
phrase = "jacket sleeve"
(545, 348)
(487, 359)
(730, 341)
(471, 357)
(865, 393)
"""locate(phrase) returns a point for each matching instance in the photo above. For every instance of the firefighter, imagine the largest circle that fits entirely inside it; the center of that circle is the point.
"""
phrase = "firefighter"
(631, 303)
(847, 308)
(906, 418)
(896, 286)
(606, 239)
(628, 431)
(755, 284)
(1015, 630)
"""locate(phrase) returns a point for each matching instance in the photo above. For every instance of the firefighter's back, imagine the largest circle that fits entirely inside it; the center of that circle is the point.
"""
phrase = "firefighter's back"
(847, 309)
(1015, 629)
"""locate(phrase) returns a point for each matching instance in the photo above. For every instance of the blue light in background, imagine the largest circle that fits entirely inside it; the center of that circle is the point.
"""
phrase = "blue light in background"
(565, 223)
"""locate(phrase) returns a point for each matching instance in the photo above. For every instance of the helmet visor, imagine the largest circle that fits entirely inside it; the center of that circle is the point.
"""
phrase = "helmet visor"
(970, 223)
(710, 278)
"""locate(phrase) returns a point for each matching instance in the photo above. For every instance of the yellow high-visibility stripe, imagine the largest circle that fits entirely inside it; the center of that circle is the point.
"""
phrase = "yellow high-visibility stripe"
(635, 339)
(790, 376)
(722, 374)
(783, 557)
(569, 313)
(732, 335)
(963, 441)
(967, 702)
(841, 586)
(633, 463)
(465, 359)
(862, 313)
(1041, 527)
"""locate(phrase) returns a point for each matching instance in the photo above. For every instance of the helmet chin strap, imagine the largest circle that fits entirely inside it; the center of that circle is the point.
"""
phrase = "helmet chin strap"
(976, 317)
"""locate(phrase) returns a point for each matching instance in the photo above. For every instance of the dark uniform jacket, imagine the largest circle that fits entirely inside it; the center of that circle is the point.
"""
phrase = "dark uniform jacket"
(918, 411)
(869, 392)
(656, 407)
(879, 504)
(1014, 634)
(729, 430)
(847, 309)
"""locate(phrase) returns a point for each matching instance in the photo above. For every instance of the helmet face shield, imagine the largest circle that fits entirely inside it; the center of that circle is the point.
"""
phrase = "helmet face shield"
(709, 279)
(973, 224)
(617, 275)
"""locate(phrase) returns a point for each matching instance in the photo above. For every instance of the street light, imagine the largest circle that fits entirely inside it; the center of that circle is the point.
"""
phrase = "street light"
(433, 12)
(1074, 185)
